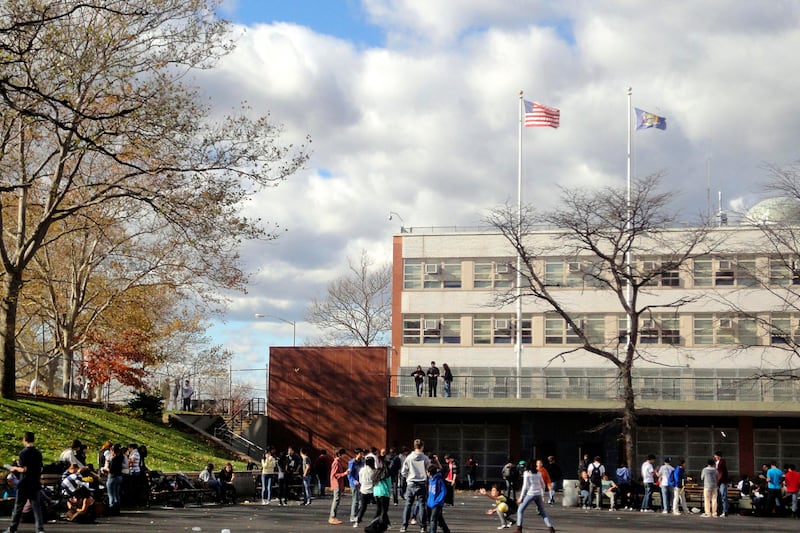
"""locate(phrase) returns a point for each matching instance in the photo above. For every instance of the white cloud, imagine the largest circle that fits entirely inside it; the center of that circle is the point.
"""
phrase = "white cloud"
(427, 126)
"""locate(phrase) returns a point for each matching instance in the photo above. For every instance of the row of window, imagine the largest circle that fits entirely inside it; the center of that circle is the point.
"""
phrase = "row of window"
(707, 271)
(703, 329)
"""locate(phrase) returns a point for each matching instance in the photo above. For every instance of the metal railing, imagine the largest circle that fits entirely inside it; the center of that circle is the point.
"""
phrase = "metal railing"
(608, 388)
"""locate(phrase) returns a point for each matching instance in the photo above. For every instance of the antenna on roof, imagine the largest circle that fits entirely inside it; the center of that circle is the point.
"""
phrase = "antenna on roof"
(722, 217)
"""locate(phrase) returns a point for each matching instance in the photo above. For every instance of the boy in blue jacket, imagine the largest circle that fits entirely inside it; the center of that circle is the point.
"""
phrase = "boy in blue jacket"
(436, 494)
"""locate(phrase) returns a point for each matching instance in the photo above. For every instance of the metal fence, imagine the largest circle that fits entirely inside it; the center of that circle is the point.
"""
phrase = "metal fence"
(608, 388)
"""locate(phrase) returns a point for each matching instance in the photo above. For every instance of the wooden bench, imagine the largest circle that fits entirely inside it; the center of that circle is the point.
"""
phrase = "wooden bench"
(694, 498)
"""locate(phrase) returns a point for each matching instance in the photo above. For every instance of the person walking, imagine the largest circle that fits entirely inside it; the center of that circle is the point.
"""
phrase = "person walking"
(678, 482)
(533, 487)
(415, 472)
(436, 499)
(556, 478)
(29, 466)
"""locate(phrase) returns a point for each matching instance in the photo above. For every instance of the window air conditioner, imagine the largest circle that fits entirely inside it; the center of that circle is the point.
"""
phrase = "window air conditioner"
(648, 323)
(431, 268)
(502, 324)
(501, 268)
(725, 323)
(431, 325)
(650, 266)
(574, 266)
(724, 264)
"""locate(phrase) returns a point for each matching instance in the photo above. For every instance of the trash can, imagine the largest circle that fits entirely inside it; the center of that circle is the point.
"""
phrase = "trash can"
(572, 493)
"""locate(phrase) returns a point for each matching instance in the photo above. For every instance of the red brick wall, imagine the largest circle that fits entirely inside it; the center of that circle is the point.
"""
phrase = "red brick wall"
(327, 397)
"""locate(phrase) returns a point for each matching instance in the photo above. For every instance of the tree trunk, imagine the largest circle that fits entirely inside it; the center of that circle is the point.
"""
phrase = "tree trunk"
(629, 422)
(11, 287)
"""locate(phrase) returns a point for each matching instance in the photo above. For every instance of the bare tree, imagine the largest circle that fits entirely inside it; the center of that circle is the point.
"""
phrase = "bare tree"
(606, 238)
(94, 110)
(358, 306)
(778, 222)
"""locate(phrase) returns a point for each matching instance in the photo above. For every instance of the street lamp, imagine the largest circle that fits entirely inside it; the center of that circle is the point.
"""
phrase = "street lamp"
(294, 325)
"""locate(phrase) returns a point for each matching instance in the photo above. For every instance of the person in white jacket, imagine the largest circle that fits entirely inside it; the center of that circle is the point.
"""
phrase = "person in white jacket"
(533, 487)
(365, 487)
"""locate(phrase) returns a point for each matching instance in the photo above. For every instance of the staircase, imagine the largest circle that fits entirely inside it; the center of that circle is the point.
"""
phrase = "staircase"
(237, 416)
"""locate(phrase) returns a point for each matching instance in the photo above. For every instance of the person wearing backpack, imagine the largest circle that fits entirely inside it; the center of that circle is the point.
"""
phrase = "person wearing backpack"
(509, 474)
(597, 472)
(678, 482)
(625, 484)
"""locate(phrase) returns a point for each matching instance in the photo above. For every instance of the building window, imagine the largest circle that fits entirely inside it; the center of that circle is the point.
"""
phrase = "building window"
(724, 271)
(451, 330)
(575, 272)
(412, 274)
(496, 274)
(441, 274)
(710, 329)
(556, 330)
(784, 272)
(784, 328)
(499, 330)
(411, 329)
(431, 329)
(431, 274)
(655, 329)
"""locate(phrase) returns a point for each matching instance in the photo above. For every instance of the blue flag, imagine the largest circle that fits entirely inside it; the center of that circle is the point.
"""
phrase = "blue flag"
(645, 119)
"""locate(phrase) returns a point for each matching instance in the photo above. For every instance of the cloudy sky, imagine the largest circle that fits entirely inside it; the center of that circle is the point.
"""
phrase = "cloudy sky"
(412, 106)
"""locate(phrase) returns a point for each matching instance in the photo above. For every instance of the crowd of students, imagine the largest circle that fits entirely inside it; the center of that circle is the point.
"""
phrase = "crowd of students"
(774, 492)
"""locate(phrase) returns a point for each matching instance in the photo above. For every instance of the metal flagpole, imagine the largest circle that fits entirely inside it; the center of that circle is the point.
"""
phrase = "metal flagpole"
(519, 255)
(629, 224)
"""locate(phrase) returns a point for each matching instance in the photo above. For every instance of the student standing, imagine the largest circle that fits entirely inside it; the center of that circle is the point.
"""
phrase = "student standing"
(433, 379)
(339, 472)
(436, 497)
(29, 465)
(533, 488)
(709, 478)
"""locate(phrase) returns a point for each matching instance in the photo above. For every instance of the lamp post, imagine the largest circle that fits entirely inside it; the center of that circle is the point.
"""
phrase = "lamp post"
(294, 325)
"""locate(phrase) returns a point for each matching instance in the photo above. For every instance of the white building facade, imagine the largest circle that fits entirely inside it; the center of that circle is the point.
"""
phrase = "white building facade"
(713, 373)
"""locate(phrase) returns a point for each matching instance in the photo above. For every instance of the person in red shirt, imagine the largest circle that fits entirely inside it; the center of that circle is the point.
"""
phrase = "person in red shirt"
(451, 473)
(792, 483)
(339, 473)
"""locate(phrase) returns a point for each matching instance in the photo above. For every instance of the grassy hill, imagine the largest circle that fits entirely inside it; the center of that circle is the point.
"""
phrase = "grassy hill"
(55, 426)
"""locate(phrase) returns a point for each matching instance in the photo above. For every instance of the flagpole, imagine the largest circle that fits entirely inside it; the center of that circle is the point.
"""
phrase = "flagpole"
(518, 343)
(629, 224)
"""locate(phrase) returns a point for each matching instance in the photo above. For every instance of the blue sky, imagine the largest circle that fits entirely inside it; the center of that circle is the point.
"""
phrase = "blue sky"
(412, 106)
(344, 19)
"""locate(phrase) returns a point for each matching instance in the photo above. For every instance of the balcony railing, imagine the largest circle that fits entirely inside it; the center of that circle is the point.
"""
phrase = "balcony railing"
(608, 388)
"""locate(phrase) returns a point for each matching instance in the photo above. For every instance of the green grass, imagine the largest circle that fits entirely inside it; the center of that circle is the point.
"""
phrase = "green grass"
(55, 426)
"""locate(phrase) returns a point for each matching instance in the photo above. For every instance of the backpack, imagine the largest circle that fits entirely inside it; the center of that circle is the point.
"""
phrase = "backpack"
(509, 472)
(746, 488)
(675, 478)
(597, 475)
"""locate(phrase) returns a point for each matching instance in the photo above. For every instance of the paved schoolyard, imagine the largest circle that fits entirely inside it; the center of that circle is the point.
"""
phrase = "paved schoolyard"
(467, 516)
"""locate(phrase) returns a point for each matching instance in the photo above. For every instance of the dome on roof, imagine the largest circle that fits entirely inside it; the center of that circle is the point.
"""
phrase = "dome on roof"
(782, 209)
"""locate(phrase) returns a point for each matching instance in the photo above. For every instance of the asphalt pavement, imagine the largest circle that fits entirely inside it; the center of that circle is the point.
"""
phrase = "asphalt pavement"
(467, 516)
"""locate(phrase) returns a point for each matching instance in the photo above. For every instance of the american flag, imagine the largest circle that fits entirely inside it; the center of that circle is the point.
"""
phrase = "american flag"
(538, 115)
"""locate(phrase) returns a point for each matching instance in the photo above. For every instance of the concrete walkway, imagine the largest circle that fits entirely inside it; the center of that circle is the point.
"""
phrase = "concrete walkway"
(467, 516)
